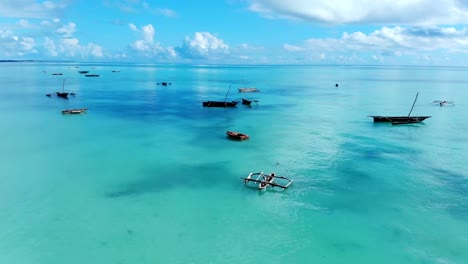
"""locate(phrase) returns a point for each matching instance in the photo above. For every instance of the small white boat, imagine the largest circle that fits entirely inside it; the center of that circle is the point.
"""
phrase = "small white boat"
(74, 111)
(248, 90)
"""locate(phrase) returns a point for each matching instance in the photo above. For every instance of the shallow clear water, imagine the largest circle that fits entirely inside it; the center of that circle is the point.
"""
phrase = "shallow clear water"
(148, 175)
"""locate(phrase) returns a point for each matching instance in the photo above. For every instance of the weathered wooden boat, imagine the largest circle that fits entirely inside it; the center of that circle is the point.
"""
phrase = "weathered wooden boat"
(248, 90)
(236, 135)
(391, 119)
(265, 181)
(62, 94)
(76, 111)
(220, 104)
(399, 120)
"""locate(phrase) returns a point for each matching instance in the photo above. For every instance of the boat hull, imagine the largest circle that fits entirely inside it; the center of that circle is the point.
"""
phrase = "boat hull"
(219, 104)
(399, 119)
(248, 90)
(236, 135)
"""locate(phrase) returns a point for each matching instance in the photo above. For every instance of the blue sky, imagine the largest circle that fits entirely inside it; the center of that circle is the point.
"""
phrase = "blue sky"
(383, 32)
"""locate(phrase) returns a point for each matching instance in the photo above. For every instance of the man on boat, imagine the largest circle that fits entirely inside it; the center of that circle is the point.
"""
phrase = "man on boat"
(269, 178)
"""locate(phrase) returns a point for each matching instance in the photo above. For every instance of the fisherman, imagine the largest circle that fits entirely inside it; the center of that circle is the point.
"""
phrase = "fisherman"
(270, 177)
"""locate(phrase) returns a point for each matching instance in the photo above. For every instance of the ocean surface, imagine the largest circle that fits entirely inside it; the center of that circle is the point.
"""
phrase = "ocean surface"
(147, 175)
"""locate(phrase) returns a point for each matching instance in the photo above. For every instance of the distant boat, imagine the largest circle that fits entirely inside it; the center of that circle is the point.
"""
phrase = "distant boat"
(164, 83)
(74, 111)
(399, 120)
(83, 72)
(444, 103)
(62, 94)
(236, 135)
(92, 75)
(248, 102)
(57, 73)
(248, 90)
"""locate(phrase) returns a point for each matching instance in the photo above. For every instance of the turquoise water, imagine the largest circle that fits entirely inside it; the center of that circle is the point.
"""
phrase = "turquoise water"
(148, 175)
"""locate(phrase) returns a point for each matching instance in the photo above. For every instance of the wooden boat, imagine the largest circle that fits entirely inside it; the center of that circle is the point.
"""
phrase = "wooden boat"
(220, 104)
(92, 75)
(248, 90)
(74, 111)
(399, 120)
(83, 72)
(236, 135)
(57, 73)
(246, 102)
(62, 94)
(391, 119)
(164, 83)
(265, 181)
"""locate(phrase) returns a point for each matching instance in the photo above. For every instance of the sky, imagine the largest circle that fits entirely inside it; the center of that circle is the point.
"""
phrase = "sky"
(296, 32)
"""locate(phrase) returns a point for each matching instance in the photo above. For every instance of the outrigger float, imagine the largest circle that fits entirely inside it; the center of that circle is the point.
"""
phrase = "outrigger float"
(264, 181)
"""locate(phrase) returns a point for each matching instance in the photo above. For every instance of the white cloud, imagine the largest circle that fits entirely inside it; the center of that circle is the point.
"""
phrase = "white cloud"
(67, 30)
(165, 12)
(402, 12)
(70, 47)
(30, 8)
(203, 45)
(13, 45)
(148, 33)
(133, 27)
(292, 47)
(50, 48)
(146, 46)
(387, 42)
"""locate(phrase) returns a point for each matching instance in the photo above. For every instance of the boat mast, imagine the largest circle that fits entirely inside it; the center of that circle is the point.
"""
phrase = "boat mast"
(413, 104)
(225, 98)
(63, 86)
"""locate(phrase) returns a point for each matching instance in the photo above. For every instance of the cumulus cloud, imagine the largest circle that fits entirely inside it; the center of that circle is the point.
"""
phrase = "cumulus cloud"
(408, 12)
(13, 45)
(147, 46)
(71, 47)
(30, 8)
(202, 45)
(388, 42)
(67, 30)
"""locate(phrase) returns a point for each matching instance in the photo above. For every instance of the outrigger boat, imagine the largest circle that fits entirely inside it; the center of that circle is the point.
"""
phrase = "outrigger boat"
(265, 181)
(443, 103)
